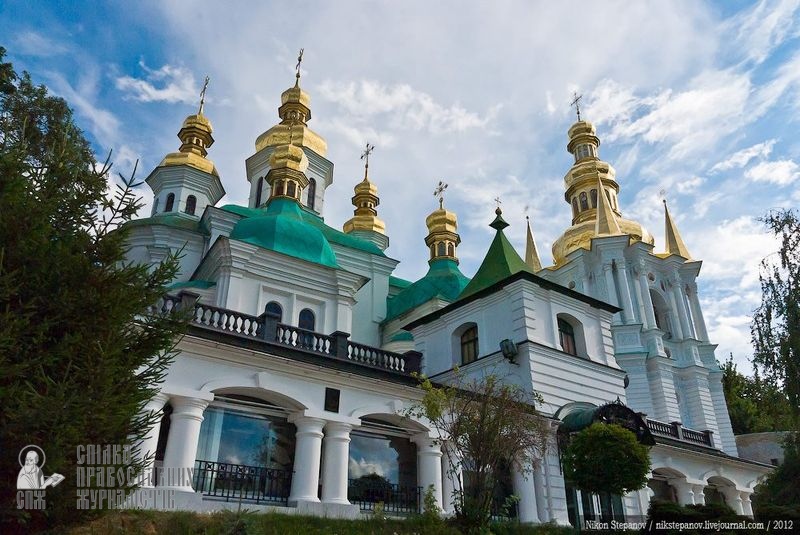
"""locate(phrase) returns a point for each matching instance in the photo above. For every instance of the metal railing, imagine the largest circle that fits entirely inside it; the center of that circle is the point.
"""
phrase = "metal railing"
(267, 328)
(236, 482)
(677, 431)
(395, 499)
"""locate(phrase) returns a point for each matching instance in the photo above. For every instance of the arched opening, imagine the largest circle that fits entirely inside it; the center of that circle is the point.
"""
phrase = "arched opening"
(191, 204)
(659, 483)
(584, 201)
(382, 465)
(661, 313)
(312, 193)
(593, 197)
(291, 189)
(306, 320)
(279, 188)
(441, 249)
(274, 309)
(574, 207)
(246, 447)
(259, 189)
(467, 342)
(570, 335)
(451, 251)
(170, 202)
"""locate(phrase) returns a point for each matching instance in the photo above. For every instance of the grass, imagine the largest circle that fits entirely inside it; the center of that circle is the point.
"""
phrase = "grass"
(249, 523)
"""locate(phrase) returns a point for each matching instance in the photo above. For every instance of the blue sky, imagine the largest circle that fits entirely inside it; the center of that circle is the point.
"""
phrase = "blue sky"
(697, 99)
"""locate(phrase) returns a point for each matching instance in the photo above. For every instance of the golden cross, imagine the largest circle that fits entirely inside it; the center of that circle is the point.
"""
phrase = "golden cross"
(299, 61)
(203, 96)
(365, 156)
(498, 201)
(439, 192)
(576, 101)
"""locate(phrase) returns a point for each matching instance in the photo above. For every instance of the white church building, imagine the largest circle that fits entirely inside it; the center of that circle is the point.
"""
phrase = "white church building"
(290, 387)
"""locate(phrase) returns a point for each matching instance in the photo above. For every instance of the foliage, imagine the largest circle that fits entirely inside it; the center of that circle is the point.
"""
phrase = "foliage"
(781, 487)
(776, 322)
(488, 423)
(606, 458)
(754, 405)
(78, 357)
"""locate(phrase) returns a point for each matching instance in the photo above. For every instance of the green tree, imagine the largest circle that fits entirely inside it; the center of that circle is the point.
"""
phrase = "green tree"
(488, 424)
(606, 458)
(79, 355)
(754, 405)
(776, 322)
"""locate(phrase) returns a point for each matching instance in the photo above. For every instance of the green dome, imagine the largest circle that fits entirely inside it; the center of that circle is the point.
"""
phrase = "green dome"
(443, 280)
(281, 229)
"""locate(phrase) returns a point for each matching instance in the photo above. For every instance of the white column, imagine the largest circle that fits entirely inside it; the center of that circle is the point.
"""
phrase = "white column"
(451, 479)
(611, 289)
(627, 304)
(184, 434)
(524, 488)
(649, 315)
(429, 466)
(308, 446)
(747, 506)
(684, 490)
(699, 494)
(335, 463)
(734, 499)
(676, 316)
(148, 445)
(697, 313)
(680, 305)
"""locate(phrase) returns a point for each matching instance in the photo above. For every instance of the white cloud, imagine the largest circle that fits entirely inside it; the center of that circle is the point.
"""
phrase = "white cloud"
(361, 468)
(780, 172)
(764, 27)
(407, 108)
(689, 186)
(31, 43)
(741, 158)
(175, 84)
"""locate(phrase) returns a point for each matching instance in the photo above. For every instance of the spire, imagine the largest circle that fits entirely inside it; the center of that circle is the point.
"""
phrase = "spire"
(531, 254)
(365, 200)
(674, 243)
(196, 138)
(442, 238)
(294, 112)
(606, 222)
(501, 260)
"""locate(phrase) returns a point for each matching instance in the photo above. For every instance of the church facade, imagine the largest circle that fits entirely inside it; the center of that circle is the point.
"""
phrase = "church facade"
(291, 386)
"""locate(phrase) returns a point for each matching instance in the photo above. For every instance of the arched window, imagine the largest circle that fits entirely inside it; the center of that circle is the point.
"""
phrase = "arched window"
(566, 337)
(451, 251)
(312, 193)
(170, 202)
(661, 313)
(593, 197)
(279, 188)
(441, 249)
(574, 207)
(584, 201)
(306, 320)
(275, 309)
(259, 188)
(191, 204)
(469, 345)
(291, 189)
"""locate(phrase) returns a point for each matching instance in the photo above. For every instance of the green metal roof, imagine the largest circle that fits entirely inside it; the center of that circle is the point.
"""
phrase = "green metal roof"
(283, 229)
(169, 220)
(397, 282)
(330, 233)
(501, 261)
(402, 336)
(443, 280)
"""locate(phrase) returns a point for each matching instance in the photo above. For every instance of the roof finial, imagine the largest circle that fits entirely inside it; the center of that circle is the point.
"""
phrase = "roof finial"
(365, 156)
(497, 210)
(297, 67)
(203, 96)
(439, 192)
(674, 242)
(576, 101)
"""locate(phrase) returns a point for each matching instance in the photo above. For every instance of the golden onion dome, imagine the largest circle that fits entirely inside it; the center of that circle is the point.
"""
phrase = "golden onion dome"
(196, 138)
(294, 112)
(289, 157)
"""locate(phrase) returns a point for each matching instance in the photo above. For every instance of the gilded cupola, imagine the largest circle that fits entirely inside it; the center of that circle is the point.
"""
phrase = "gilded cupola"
(588, 181)
(195, 136)
(442, 238)
(294, 113)
(366, 200)
(287, 174)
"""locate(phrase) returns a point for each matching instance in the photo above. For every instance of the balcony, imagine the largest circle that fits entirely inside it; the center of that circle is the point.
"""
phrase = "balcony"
(266, 328)
(676, 431)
